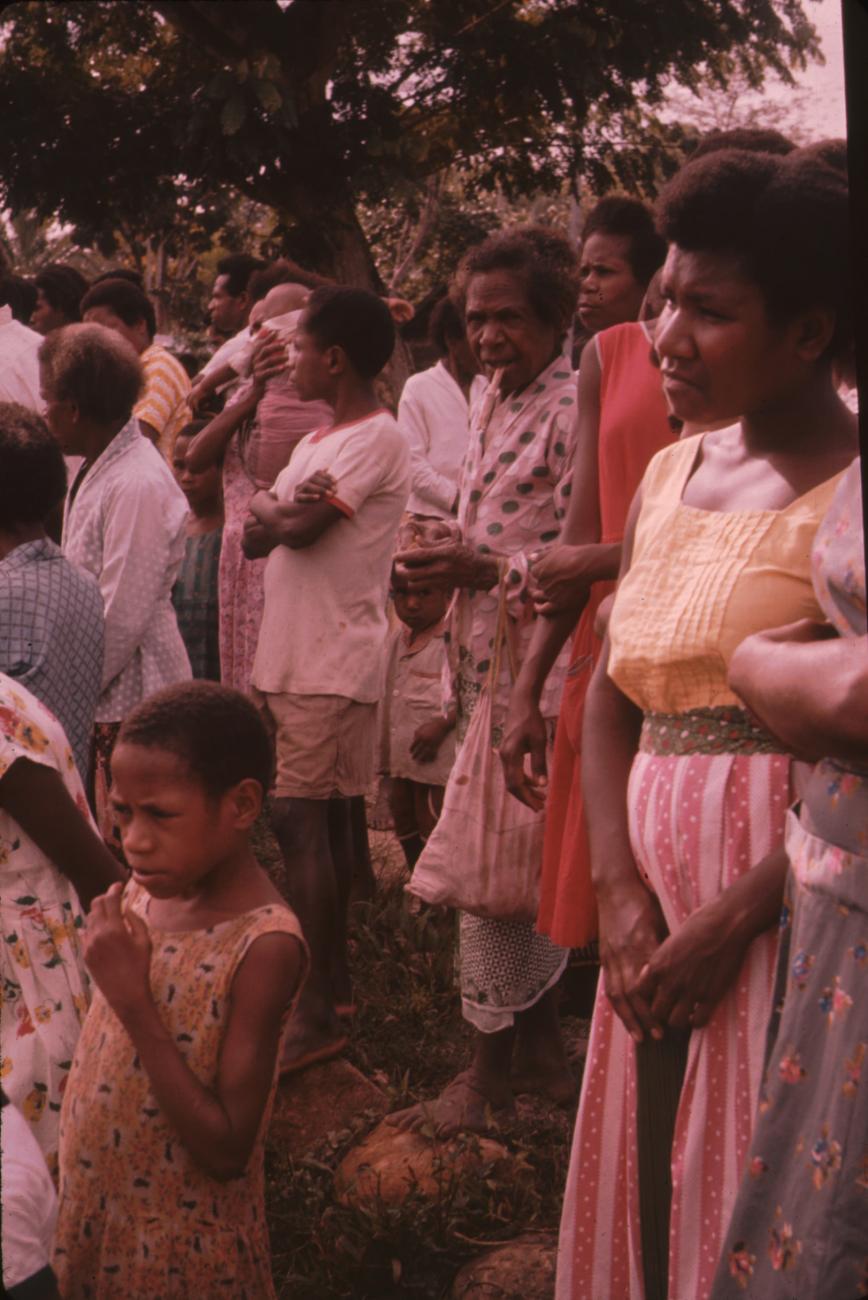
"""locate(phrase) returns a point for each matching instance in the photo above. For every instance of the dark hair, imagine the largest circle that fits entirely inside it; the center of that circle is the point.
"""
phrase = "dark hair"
(191, 429)
(238, 268)
(20, 295)
(126, 300)
(630, 219)
(63, 289)
(785, 218)
(355, 320)
(215, 730)
(119, 273)
(32, 468)
(283, 271)
(755, 139)
(445, 323)
(544, 259)
(833, 152)
(94, 367)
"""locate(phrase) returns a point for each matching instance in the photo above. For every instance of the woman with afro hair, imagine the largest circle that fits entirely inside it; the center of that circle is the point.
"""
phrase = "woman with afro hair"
(687, 792)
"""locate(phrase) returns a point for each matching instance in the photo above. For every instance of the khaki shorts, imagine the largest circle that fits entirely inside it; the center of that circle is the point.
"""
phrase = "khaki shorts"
(324, 744)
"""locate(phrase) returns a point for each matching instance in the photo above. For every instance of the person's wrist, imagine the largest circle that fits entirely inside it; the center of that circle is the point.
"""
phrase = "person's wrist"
(618, 884)
(525, 695)
(135, 1008)
(486, 572)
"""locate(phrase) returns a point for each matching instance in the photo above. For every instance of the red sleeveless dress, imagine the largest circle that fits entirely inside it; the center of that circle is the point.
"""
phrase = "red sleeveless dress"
(634, 425)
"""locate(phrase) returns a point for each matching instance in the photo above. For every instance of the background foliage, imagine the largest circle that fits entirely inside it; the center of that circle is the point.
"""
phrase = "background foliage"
(373, 142)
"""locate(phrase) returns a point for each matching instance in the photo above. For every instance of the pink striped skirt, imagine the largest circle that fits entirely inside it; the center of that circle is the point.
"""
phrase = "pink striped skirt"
(697, 822)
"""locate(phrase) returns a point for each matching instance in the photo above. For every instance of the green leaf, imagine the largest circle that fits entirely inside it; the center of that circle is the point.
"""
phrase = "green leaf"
(233, 115)
(268, 95)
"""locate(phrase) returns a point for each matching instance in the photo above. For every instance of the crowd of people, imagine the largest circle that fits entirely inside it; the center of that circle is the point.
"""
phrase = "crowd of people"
(586, 603)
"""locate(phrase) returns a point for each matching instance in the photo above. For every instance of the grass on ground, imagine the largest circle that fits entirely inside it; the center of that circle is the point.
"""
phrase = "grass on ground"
(409, 1038)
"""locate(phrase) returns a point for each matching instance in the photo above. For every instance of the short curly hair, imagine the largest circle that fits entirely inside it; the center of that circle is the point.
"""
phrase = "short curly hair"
(94, 367)
(755, 139)
(283, 271)
(833, 152)
(63, 288)
(32, 468)
(786, 219)
(629, 219)
(355, 320)
(543, 259)
(214, 730)
(128, 301)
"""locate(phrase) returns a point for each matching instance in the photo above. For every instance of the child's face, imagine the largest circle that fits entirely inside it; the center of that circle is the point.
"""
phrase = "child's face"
(202, 489)
(419, 609)
(174, 832)
(309, 367)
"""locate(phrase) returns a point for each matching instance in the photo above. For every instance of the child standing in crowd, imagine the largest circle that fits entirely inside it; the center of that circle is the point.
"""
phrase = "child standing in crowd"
(197, 963)
(328, 526)
(417, 741)
(194, 594)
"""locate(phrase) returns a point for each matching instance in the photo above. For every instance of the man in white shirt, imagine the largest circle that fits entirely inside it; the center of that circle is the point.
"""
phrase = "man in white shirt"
(328, 525)
(229, 310)
(19, 367)
(124, 523)
(433, 415)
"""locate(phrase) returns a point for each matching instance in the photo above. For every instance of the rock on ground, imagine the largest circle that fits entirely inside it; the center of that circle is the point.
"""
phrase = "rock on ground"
(522, 1269)
(389, 1164)
(320, 1100)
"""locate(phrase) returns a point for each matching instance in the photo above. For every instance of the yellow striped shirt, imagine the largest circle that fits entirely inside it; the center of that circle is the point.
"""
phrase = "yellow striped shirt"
(163, 403)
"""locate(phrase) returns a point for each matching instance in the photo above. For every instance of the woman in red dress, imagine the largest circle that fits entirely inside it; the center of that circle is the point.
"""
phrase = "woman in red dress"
(623, 421)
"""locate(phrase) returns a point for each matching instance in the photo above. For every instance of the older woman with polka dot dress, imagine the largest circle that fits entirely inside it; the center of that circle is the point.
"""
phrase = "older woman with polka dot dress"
(520, 289)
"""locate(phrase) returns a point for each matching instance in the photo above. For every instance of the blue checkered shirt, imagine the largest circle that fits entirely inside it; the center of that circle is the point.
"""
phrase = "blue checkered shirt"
(51, 636)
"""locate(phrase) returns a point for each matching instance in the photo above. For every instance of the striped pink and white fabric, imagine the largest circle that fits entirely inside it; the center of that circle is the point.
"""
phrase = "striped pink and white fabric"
(697, 822)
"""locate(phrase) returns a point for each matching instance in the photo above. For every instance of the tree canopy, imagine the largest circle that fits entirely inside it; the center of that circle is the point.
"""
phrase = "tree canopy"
(146, 119)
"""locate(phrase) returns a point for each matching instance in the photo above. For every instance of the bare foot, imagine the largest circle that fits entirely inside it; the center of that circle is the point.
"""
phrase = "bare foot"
(462, 1105)
(558, 1085)
(307, 1042)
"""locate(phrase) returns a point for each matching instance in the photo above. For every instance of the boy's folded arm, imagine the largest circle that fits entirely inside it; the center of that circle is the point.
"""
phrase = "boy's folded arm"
(298, 524)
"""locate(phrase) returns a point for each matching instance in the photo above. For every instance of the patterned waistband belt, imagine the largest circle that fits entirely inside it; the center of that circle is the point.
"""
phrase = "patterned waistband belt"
(724, 730)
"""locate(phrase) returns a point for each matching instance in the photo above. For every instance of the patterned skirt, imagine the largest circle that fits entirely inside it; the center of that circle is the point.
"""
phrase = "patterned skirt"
(698, 821)
(504, 966)
(798, 1231)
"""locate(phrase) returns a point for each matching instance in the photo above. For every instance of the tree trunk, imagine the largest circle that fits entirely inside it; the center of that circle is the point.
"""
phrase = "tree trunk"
(329, 238)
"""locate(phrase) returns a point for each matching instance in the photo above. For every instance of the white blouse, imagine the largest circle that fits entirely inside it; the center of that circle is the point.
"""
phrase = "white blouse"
(125, 525)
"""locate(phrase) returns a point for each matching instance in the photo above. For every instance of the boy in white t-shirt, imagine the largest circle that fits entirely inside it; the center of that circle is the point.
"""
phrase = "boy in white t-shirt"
(328, 525)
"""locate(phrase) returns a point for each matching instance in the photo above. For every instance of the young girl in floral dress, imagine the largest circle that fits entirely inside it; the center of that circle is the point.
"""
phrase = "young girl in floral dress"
(197, 963)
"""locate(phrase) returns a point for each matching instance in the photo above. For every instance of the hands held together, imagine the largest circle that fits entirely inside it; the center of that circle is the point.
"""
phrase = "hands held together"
(656, 980)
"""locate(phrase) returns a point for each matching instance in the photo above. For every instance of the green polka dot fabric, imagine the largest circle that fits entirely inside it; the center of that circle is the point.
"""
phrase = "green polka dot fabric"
(512, 503)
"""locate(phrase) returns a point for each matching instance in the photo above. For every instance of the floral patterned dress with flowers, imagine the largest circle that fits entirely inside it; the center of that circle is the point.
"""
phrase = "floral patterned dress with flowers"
(798, 1231)
(138, 1218)
(45, 990)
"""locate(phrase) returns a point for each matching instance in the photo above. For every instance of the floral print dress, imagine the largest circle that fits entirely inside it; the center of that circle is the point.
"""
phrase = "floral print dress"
(44, 992)
(798, 1231)
(514, 485)
(138, 1218)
